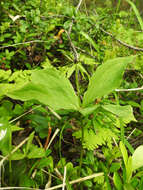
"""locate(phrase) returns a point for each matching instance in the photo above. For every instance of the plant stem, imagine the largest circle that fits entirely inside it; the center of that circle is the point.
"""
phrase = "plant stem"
(82, 150)
(60, 143)
(118, 6)
(122, 131)
(77, 80)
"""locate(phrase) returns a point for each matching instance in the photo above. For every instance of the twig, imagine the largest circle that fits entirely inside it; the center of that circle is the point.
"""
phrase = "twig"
(64, 180)
(58, 174)
(82, 50)
(48, 137)
(77, 8)
(22, 43)
(58, 186)
(24, 114)
(121, 42)
(69, 31)
(54, 113)
(131, 133)
(54, 135)
(128, 90)
(76, 57)
(14, 150)
(53, 16)
(26, 188)
(78, 180)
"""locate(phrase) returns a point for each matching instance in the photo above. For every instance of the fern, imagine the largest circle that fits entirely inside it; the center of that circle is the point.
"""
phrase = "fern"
(93, 140)
(97, 134)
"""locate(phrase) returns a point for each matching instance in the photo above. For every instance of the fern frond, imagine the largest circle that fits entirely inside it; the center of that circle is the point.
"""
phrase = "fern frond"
(93, 140)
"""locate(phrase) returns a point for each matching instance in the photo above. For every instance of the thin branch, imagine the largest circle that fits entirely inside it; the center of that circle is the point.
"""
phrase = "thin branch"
(54, 135)
(58, 186)
(14, 150)
(64, 180)
(22, 43)
(131, 133)
(82, 50)
(15, 119)
(121, 42)
(54, 113)
(53, 16)
(76, 57)
(78, 180)
(77, 8)
(128, 90)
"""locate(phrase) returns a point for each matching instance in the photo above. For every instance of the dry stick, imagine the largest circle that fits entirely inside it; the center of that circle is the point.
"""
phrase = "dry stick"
(22, 43)
(77, 8)
(58, 186)
(121, 42)
(48, 173)
(26, 188)
(24, 114)
(131, 133)
(77, 180)
(64, 180)
(54, 135)
(128, 90)
(14, 150)
(54, 113)
(58, 174)
(82, 50)
(48, 137)
(68, 34)
(73, 48)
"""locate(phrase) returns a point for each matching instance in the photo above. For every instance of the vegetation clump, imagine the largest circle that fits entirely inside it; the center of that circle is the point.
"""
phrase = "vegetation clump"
(71, 94)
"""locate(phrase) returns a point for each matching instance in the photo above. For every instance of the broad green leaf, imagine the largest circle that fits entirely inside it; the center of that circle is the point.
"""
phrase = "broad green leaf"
(137, 158)
(35, 152)
(115, 167)
(124, 153)
(46, 162)
(18, 155)
(117, 181)
(106, 78)
(88, 110)
(5, 136)
(123, 112)
(49, 87)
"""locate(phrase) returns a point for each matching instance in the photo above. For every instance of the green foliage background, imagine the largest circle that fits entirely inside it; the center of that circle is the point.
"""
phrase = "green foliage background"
(64, 70)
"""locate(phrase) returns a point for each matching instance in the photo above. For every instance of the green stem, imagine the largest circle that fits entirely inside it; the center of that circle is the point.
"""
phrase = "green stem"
(77, 80)
(60, 142)
(118, 6)
(116, 98)
(82, 150)
(122, 131)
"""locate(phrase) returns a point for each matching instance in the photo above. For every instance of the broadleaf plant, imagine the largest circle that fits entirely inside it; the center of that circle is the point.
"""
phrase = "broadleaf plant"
(106, 78)
(51, 88)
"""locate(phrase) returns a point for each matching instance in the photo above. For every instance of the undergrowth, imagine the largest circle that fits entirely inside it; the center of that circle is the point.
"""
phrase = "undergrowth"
(71, 95)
